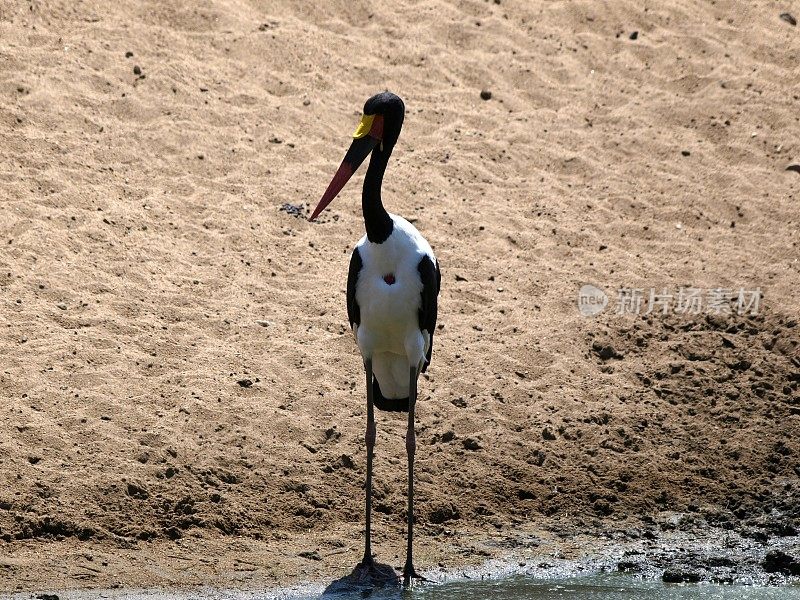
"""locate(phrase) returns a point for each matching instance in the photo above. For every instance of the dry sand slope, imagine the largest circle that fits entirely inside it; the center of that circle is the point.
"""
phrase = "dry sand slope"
(142, 242)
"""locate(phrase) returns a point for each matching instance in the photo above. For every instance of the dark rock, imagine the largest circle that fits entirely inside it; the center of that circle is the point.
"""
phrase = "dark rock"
(128, 54)
(486, 95)
(795, 168)
(443, 513)
(629, 566)
(137, 491)
(789, 19)
(602, 507)
(605, 351)
(47, 597)
(777, 561)
(686, 153)
(346, 461)
(680, 577)
(310, 555)
(634, 35)
(471, 444)
(245, 383)
(548, 434)
(137, 70)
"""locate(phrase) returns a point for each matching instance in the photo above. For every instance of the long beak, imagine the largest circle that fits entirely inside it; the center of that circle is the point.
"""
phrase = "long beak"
(359, 150)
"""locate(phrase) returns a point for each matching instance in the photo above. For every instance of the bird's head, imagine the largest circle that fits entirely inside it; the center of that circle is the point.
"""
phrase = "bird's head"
(379, 128)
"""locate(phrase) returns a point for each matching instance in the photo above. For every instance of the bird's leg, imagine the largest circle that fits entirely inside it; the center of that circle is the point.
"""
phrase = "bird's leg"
(411, 446)
(369, 439)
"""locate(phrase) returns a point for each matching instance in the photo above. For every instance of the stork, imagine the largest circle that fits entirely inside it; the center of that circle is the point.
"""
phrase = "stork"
(392, 289)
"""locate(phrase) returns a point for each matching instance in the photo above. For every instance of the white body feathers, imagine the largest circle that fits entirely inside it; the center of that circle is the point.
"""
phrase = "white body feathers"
(389, 332)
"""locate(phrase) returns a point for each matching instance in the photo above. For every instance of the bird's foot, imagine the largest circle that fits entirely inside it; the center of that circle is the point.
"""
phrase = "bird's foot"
(367, 562)
(368, 572)
(409, 573)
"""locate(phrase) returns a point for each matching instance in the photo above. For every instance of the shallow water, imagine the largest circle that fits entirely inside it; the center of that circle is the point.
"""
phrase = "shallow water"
(603, 586)
(600, 587)
(597, 587)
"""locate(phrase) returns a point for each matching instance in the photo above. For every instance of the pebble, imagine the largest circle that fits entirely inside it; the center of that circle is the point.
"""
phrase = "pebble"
(789, 19)
(306, 102)
(296, 210)
(137, 70)
(245, 383)
(275, 140)
(61, 305)
(795, 168)
(128, 54)
(685, 153)
(634, 35)
(486, 95)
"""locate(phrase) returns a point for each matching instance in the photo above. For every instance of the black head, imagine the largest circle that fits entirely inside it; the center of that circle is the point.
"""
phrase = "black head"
(391, 107)
(378, 131)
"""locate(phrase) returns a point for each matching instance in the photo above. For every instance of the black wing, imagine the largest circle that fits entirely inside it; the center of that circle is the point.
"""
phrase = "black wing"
(431, 281)
(353, 311)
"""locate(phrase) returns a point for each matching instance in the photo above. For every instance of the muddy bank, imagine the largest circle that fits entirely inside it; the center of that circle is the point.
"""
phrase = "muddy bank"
(672, 547)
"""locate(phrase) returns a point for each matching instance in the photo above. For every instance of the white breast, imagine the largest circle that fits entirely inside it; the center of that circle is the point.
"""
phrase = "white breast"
(389, 331)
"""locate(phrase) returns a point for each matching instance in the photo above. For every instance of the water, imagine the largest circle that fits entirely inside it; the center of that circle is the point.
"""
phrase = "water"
(597, 587)
(604, 586)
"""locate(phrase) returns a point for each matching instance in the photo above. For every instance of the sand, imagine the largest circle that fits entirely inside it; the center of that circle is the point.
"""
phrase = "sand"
(147, 269)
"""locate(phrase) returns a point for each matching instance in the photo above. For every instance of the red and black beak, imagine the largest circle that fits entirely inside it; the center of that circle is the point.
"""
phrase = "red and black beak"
(368, 135)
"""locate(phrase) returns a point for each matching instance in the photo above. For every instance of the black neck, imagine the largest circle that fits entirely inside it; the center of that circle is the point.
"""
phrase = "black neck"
(376, 220)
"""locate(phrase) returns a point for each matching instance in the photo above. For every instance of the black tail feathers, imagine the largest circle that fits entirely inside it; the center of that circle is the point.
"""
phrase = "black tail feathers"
(387, 404)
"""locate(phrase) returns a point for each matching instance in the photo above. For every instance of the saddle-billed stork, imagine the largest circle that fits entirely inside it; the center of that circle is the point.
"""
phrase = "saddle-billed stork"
(392, 289)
